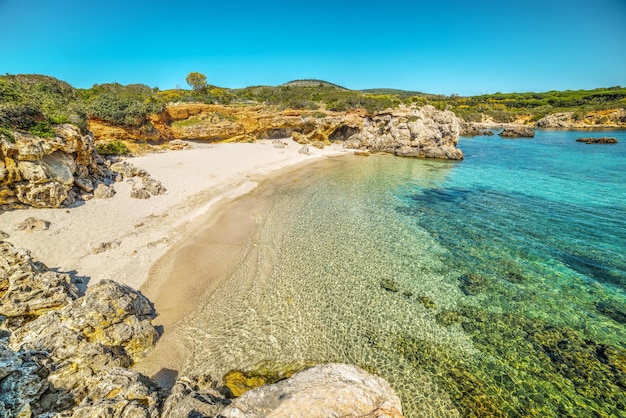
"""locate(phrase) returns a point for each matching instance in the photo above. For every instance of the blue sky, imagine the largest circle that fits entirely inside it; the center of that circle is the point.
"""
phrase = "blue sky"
(465, 47)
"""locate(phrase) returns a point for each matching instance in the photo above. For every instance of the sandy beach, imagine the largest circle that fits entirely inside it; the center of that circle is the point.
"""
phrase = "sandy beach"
(142, 231)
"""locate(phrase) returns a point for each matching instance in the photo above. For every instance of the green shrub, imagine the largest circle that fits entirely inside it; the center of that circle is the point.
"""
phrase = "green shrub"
(7, 134)
(42, 130)
(28, 100)
(122, 105)
(112, 148)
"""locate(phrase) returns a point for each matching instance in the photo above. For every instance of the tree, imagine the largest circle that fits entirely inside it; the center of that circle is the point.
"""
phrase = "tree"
(197, 81)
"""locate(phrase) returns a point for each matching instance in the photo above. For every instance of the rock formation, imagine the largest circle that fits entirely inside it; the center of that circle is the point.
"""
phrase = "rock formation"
(472, 129)
(410, 132)
(28, 289)
(406, 131)
(69, 355)
(48, 172)
(64, 351)
(598, 140)
(615, 118)
(322, 391)
(517, 132)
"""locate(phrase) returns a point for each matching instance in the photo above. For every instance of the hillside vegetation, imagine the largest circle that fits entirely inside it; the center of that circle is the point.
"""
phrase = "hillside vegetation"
(36, 103)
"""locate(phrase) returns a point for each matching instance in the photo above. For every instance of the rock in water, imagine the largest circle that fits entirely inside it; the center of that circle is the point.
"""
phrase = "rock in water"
(332, 390)
(517, 132)
(600, 140)
(410, 132)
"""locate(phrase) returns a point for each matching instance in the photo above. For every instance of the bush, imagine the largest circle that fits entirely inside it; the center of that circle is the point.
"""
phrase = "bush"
(112, 148)
(42, 130)
(29, 99)
(122, 105)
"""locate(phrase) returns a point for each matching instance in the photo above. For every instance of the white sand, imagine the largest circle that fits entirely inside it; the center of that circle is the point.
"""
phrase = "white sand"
(195, 178)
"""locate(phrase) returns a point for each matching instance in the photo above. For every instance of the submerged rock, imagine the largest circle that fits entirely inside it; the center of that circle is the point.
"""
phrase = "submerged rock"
(321, 391)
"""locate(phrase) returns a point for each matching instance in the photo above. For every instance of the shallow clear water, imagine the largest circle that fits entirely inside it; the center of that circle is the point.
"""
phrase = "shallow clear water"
(495, 286)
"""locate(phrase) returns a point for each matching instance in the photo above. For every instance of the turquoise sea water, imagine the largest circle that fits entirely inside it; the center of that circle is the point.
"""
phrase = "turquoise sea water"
(495, 286)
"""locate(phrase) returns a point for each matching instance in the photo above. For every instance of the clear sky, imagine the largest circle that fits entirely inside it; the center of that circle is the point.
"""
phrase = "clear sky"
(465, 47)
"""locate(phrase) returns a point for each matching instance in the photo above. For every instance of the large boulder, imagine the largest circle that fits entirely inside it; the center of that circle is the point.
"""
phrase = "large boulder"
(92, 340)
(332, 390)
(517, 132)
(47, 172)
(411, 132)
(110, 315)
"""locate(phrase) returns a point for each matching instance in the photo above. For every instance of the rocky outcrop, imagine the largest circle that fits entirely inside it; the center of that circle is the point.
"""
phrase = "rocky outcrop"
(194, 397)
(611, 118)
(598, 140)
(48, 172)
(410, 132)
(517, 132)
(406, 131)
(322, 391)
(155, 128)
(66, 352)
(28, 289)
(69, 355)
(557, 120)
(143, 186)
(471, 129)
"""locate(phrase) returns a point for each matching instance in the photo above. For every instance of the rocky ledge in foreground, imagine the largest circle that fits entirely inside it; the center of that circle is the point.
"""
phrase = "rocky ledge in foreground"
(600, 140)
(517, 132)
(65, 355)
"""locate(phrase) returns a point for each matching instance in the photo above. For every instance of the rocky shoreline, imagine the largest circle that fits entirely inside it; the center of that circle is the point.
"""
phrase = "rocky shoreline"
(64, 169)
(65, 354)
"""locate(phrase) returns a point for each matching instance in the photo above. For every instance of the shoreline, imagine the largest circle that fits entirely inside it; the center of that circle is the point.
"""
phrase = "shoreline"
(218, 244)
(142, 231)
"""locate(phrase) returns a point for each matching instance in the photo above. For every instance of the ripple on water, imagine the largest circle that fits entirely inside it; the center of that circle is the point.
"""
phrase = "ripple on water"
(470, 296)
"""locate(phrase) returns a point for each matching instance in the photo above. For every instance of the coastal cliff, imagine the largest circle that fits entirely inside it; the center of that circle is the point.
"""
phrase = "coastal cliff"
(405, 131)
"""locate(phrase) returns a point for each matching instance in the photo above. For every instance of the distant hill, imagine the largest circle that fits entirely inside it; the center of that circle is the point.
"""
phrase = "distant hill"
(396, 92)
(311, 83)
